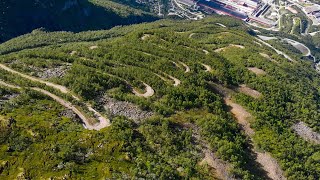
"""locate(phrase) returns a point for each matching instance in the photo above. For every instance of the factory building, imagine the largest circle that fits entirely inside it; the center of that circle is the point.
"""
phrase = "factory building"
(312, 9)
(263, 21)
(221, 8)
(317, 15)
(187, 2)
(241, 9)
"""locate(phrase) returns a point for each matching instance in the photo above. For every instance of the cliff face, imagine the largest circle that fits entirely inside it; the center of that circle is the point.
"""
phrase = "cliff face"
(20, 17)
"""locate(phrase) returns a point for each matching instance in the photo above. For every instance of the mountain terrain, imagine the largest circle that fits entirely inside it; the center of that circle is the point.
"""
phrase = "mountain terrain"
(23, 16)
(207, 99)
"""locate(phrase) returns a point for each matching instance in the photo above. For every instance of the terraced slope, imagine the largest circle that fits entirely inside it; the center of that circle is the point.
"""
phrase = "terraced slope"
(220, 105)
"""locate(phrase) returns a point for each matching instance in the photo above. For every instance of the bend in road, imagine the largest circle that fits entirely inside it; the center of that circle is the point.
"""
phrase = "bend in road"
(208, 68)
(149, 91)
(63, 89)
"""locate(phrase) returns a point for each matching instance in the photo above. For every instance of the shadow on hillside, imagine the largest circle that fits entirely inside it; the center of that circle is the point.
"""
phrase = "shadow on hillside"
(61, 15)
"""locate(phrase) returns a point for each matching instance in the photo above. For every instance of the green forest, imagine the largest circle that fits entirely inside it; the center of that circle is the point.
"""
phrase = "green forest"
(195, 69)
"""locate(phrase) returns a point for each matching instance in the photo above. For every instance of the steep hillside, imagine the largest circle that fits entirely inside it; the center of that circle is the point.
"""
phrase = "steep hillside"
(164, 100)
(20, 17)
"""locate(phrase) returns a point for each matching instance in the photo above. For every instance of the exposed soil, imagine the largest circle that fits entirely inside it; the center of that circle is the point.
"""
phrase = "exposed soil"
(267, 162)
(306, 132)
(268, 57)
(73, 53)
(161, 77)
(187, 68)
(230, 45)
(257, 43)
(222, 25)
(291, 9)
(68, 105)
(147, 54)
(241, 115)
(257, 71)
(56, 86)
(238, 46)
(222, 168)
(9, 85)
(190, 36)
(270, 165)
(223, 91)
(208, 68)
(145, 36)
(205, 51)
(149, 91)
(104, 122)
(248, 91)
(93, 47)
(177, 82)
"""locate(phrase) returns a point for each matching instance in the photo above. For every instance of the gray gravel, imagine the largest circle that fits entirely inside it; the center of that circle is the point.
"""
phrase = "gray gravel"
(122, 108)
(306, 132)
(58, 72)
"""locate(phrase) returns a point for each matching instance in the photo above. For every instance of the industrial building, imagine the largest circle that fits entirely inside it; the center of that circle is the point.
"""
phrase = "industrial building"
(188, 3)
(247, 10)
(220, 8)
(263, 21)
(314, 11)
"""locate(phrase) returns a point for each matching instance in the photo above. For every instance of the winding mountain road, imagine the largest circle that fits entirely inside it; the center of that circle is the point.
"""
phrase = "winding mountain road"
(190, 36)
(185, 66)
(103, 122)
(53, 85)
(9, 85)
(176, 81)
(222, 25)
(149, 91)
(277, 51)
(87, 122)
(208, 68)
(230, 45)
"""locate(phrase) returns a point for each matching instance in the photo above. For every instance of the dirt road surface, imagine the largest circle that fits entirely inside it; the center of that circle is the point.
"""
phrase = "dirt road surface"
(149, 91)
(208, 68)
(53, 85)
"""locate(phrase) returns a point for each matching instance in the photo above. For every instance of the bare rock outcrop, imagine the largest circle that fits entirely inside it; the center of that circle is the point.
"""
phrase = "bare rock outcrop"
(306, 132)
(123, 108)
(58, 72)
